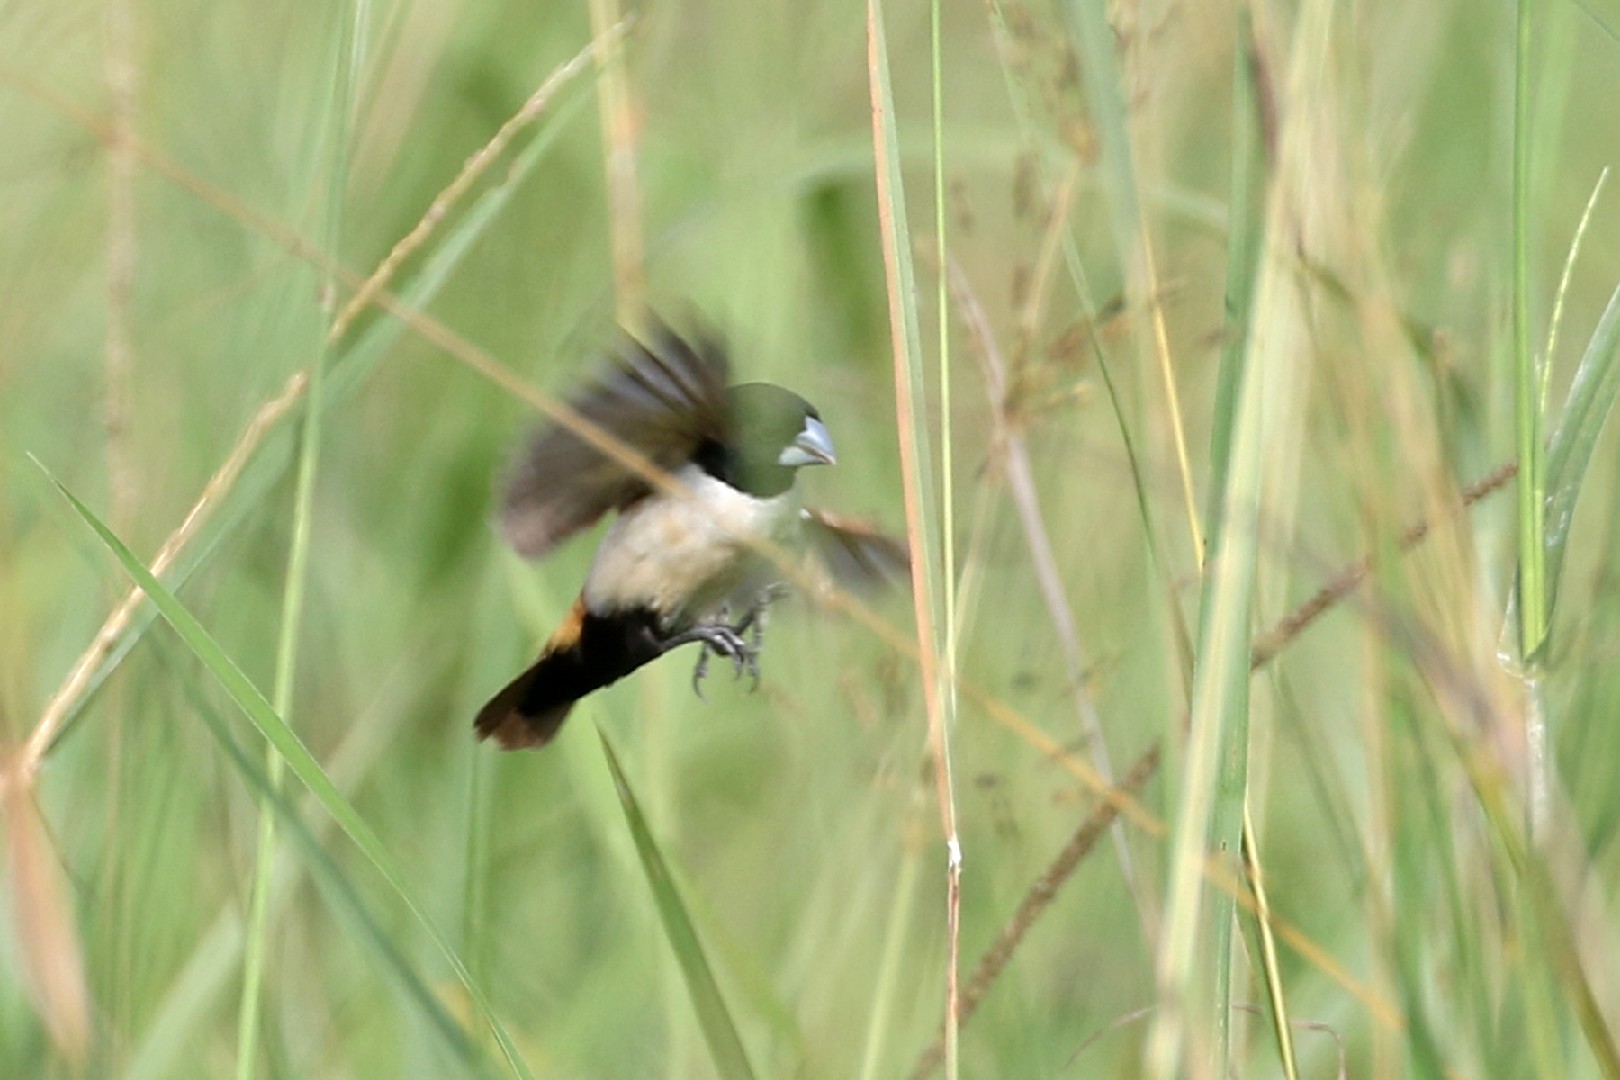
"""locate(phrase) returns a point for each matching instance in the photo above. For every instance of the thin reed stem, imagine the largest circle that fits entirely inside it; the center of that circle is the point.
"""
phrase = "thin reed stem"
(921, 525)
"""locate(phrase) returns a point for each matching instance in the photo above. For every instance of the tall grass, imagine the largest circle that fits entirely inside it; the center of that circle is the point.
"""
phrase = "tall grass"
(1215, 336)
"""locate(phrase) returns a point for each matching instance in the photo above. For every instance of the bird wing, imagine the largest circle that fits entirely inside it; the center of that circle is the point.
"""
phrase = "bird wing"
(854, 554)
(664, 399)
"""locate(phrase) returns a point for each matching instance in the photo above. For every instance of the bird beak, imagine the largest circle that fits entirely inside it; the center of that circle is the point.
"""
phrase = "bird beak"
(812, 447)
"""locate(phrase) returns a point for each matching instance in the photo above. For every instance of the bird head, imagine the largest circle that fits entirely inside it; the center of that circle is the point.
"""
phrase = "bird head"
(773, 433)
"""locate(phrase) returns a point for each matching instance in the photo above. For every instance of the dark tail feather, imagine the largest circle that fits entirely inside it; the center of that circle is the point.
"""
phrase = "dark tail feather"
(586, 653)
(509, 720)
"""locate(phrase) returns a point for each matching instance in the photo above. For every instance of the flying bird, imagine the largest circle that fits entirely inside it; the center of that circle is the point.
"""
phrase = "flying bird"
(680, 563)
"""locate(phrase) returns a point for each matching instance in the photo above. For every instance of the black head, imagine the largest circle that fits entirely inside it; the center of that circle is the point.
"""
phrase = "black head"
(772, 433)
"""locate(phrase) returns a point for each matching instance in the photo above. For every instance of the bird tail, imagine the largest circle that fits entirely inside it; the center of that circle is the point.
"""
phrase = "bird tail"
(586, 653)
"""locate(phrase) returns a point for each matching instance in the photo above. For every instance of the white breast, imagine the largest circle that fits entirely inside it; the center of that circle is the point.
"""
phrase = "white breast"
(672, 553)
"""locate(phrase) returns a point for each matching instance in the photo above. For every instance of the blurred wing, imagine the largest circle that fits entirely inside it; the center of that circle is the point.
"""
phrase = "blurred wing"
(853, 554)
(663, 399)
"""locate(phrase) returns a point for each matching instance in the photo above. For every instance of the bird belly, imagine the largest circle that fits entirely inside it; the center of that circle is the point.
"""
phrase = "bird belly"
(683, 557)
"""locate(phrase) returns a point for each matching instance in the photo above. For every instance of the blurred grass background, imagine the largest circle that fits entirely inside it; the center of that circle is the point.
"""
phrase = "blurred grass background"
(148, 306)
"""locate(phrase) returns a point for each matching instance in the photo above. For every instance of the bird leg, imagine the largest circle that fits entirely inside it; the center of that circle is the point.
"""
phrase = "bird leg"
(753, 624)
(754, 618)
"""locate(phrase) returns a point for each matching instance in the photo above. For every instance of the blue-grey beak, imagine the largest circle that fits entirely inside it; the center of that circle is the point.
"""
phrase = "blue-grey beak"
(813, 446)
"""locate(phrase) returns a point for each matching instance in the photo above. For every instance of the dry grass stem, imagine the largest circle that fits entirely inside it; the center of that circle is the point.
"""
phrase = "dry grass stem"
(898, 279)
(1029, 315)
(475, 166)
(1013, 454)
(1347, 580)
(1268, 961)
(1036, 902)
(619, 128)
(1153, 296)
(46, 930)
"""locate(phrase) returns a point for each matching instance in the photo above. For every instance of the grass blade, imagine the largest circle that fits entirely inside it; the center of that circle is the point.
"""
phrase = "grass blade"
(335, 118)
(1586, 408)
(1106, 87)
(730, 1059)
(922, 522)
(1190, 1032)
(1557, 321)
(339, 889)
(192, 992)
(1527, 384)
(297, 758)
(1232, 824)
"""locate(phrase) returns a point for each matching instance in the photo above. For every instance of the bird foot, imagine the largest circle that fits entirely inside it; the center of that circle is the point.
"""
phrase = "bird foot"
(723, 640)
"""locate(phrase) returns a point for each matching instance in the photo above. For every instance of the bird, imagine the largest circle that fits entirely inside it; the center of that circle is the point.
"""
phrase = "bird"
(681, 562)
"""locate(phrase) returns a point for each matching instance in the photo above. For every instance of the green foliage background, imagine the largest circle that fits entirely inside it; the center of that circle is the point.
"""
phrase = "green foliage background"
(800, 822)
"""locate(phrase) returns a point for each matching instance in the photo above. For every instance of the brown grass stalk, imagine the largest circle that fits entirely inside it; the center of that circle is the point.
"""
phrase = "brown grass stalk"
(1036, 902)
(911, 472)
(1019, 475)
(619, 128)
(1348, 579)
(50, 957)
(474, 167)
(1153, 296)
(1046, 259)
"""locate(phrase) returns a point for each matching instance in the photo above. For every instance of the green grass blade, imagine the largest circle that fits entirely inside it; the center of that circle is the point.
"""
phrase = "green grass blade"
(335, 115)
(730, 1059)
(1527, 395)
(882, 1020)
(297, 758)
(1219, 727)
(192, 993)
(1109, 110)
(1586, 408)
(1191, 1022)
(245, 504)
(338, 888)
(1231, 821)
(920, 492)
(1609, 29)
(1242, 252)
(1557, 321)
